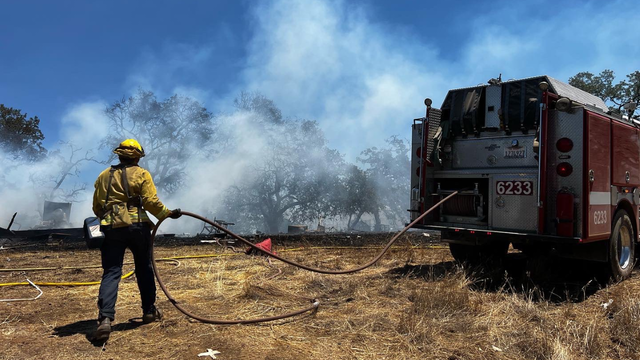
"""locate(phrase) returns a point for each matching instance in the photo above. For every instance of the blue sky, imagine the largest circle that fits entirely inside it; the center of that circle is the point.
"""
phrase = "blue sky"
(360, 68)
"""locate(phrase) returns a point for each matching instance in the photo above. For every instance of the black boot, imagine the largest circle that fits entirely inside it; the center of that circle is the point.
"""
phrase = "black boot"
(151, 316)
(104, 329)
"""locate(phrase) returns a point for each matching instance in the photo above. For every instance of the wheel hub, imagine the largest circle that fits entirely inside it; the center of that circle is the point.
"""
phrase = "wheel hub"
(624, 247)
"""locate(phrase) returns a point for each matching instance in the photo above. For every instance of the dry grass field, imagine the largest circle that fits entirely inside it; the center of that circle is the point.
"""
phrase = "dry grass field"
(414, 304)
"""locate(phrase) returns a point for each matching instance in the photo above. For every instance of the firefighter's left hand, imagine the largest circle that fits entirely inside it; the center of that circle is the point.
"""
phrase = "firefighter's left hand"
(175, 213)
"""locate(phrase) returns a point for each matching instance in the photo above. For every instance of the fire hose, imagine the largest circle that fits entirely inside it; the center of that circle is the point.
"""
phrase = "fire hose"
(26, 299)
(315, 304)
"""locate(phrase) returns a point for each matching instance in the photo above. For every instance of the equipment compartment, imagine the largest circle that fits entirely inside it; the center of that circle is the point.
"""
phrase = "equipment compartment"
(469, 206)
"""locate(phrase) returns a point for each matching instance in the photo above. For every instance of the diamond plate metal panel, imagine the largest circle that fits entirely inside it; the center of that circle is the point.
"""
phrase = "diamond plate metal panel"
(562, 124)
(514, 212)
(481, 173)
(573, 93)
(493, 98)
(489, 153)
(435, 115)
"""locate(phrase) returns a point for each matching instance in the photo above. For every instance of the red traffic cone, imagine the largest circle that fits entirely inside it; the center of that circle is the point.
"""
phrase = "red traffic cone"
(264, 245)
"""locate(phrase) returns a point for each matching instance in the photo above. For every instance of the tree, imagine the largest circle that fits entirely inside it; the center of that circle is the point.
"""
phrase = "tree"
(360, 196)
(258, 104)
(602, 85)
(51, 178)
(19, 136)
(68, 162)
(388, 169)
(171, 132)
(294, 177)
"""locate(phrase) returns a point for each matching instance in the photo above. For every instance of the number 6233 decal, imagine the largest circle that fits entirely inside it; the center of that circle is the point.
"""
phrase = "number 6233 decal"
(599, 217)
(514, 187)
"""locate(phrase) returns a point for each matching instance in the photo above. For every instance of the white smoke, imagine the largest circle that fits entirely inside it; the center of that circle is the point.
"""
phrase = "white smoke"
(326, 60)
(25, 186)
(334, 62)
(85, 125)
(210, 177)
(17, 194)
(365, 80)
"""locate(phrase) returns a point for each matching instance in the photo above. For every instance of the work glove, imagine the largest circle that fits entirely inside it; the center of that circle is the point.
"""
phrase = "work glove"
(175, 213)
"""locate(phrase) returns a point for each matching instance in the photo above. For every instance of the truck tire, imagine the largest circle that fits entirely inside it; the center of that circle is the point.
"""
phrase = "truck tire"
(621, 247)
(462, 253)
(478, 255)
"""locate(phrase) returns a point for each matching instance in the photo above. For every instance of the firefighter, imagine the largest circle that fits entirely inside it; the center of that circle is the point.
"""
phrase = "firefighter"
(122, 194)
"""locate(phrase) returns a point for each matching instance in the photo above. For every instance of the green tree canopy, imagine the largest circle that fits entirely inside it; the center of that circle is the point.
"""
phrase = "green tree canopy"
(602, 85)
(20, 137)
(170, 131)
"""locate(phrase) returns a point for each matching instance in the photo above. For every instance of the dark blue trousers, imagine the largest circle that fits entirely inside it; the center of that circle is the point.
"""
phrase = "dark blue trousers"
(137, 238)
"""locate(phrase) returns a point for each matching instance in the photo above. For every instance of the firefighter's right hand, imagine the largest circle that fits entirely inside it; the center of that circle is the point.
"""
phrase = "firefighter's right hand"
(175, 213)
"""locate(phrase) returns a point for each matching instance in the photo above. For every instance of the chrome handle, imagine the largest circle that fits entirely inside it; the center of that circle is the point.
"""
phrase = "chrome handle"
(592, 176)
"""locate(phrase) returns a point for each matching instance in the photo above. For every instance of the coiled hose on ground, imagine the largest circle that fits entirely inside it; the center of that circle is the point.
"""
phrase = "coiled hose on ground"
(315, 304)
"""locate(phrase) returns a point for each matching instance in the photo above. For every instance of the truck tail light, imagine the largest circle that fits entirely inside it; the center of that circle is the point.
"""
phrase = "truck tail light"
(564, 169)
(564, 145)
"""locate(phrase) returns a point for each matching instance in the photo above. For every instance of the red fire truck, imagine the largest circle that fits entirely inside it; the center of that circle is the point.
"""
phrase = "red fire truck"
(538, 164)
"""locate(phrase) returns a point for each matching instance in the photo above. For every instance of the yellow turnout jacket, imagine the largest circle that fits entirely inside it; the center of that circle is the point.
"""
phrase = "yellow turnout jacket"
(140, 183)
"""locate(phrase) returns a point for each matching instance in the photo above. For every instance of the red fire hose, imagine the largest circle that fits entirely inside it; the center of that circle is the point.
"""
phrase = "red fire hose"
(315, 304)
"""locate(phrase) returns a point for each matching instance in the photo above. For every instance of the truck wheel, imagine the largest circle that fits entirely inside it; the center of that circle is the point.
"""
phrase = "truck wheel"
(476, 255)
(621, 247)
(462, 253)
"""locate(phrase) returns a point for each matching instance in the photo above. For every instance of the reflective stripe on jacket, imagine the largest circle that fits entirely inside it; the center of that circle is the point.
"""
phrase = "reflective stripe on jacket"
(140, 183)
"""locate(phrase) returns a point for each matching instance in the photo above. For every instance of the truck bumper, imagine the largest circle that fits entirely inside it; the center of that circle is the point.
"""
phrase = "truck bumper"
(481, 236)
(567, 247)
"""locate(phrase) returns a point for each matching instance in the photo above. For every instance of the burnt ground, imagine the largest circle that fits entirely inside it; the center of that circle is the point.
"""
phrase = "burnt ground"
(416, 303)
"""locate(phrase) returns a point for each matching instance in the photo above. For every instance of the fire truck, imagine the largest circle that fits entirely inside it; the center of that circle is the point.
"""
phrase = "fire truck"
(538, 164)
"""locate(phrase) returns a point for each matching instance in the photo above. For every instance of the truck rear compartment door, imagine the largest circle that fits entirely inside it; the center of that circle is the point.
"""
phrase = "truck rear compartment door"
(597, 176)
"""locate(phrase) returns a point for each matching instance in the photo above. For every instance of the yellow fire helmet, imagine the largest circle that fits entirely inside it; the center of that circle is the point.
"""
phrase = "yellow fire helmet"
(130, 148)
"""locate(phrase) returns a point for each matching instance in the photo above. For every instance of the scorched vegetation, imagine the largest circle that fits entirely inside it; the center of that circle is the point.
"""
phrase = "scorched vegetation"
(414, 304)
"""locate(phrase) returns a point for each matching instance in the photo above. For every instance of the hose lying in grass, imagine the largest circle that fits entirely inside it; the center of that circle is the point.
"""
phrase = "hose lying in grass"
(46, 283)
(62, 283)
(315, 304)
(173, 259)
(27, 299)
(79, 267)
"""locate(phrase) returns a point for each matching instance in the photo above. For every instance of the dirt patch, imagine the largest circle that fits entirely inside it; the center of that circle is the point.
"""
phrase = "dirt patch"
(415, 304)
